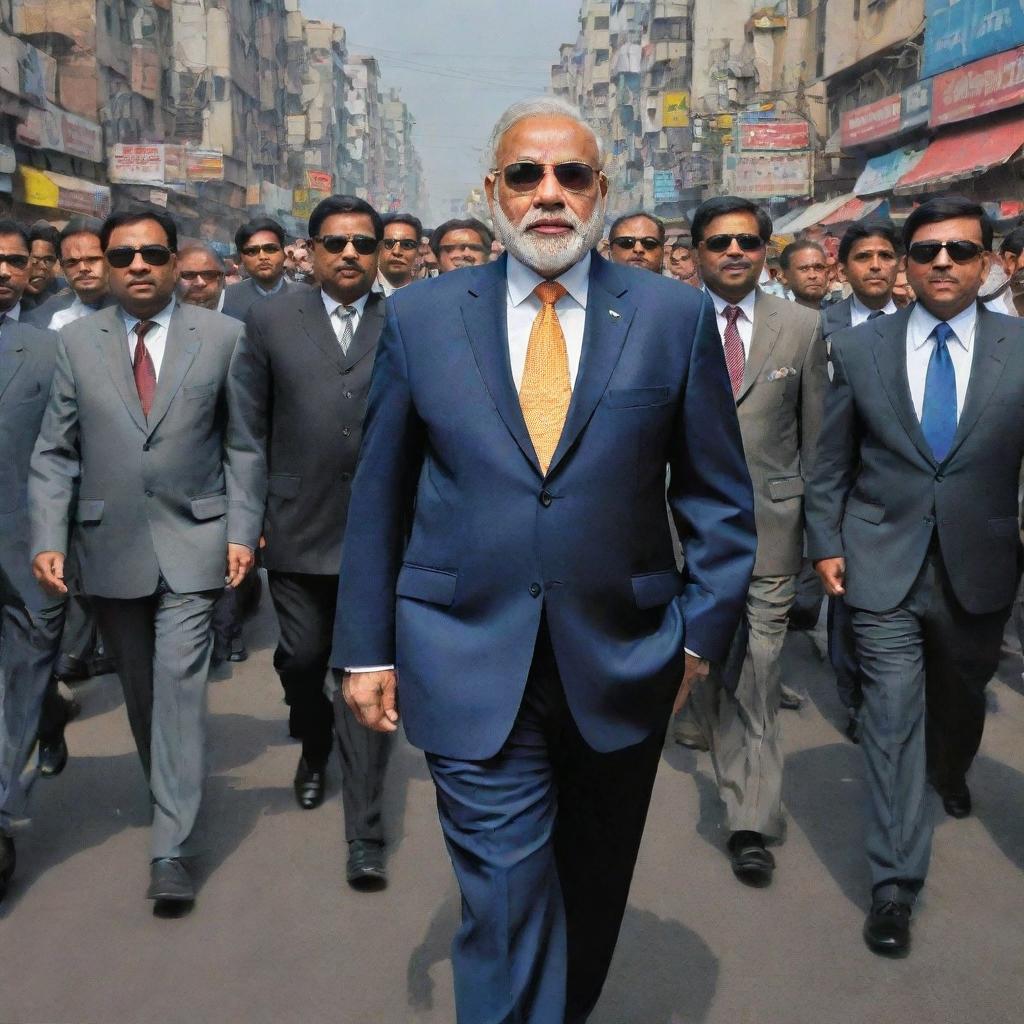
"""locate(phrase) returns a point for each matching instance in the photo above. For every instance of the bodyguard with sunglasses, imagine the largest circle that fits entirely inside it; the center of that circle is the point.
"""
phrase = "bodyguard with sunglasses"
(138, 449)
(638, 240)
(399, 256)
(260, 245)
(300, 379)
(913, 518)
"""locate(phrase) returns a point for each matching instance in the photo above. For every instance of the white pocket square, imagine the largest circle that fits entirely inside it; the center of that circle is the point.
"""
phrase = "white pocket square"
(781, 373)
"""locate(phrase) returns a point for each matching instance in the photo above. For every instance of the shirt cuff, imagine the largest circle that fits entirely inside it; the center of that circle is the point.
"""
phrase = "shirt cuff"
(694, 654)
(371, 668)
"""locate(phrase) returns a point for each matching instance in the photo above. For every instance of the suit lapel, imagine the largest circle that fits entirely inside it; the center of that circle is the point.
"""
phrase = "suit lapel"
(180, 350)
(367, 333)
(986, 369)
(767, 326)
(317, 326)
(609, 316)
(486, 321)
(12, 355)
(112, 342)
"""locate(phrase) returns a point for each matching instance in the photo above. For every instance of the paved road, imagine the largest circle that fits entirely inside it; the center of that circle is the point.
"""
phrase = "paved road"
(277, 938)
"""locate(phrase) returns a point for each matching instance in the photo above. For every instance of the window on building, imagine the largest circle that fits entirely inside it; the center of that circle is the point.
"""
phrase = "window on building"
(600, 23)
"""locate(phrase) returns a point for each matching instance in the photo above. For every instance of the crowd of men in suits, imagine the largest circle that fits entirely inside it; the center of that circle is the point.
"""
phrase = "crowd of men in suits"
(466, 479)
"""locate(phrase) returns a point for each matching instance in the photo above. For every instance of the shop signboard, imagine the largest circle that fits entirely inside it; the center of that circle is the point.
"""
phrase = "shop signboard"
(675, 112)
(665, 188)
(56, 129)
(763, 176)
(957, 32)
(983, 87)
(775, 135)
(870, 123)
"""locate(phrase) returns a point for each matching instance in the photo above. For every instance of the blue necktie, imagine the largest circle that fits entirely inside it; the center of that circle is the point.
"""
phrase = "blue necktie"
(938, 415)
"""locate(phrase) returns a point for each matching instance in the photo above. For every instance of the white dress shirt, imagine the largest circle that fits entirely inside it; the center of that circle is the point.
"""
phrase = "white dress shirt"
(74, 312)
(14, 313)
(744, 322)
(859, 313)
(336, 321)
(156, 337)
(522, 307)
(921, 345)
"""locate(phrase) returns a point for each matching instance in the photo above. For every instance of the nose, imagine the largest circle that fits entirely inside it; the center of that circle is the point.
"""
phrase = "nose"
(138, 263)
(549, 192)
(942, 259)
(734, 249)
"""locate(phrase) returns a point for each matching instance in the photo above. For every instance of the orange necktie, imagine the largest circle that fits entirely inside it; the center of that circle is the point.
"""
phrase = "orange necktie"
(546, 389)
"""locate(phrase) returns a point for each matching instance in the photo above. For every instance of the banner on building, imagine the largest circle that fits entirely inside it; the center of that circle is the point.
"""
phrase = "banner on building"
(204, 164)
(27, 72)
(870, 123)
(136, 165)
(56, 129)
(957, 32)
(916, 105)
(163, 164)
(983, 87)
(665, 188)
(775, 135)
(756, 176)
(675, 110)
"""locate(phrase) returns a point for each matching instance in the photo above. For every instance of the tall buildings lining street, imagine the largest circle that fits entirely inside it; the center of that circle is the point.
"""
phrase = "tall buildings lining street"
(212, 109)
(829, 110)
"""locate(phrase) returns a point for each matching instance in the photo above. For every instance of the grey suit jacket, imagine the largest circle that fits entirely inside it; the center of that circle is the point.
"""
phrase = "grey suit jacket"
(878, 497)
(239, 298)
(837, 317)
(151, 499)
(301, 404)
(780, 409)
(27, 357)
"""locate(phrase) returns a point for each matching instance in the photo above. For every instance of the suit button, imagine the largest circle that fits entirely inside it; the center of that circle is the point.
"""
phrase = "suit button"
(545, 498)
(348, 394)
(345, 431)
(145, 447)
(149, 494)
(939, 477)
(345, 477)
(535, 589)
(346, 371)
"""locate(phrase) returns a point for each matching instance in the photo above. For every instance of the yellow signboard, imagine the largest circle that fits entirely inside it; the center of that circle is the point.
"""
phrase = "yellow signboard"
(675, 110)
(39, 190)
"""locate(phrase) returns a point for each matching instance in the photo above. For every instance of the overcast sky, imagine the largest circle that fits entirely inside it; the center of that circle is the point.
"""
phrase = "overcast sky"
(458, 64)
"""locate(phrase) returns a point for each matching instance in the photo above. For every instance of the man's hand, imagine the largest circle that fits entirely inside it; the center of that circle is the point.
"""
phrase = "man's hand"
(373, 698)
(695, 670)
(240, 561)
(48, 569)
(833, 575)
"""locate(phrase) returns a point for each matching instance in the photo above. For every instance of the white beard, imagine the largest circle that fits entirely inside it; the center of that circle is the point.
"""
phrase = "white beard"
(549, 255)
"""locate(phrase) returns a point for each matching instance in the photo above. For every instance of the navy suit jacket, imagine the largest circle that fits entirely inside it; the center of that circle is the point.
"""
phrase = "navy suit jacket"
(837, 317)
(456, 542)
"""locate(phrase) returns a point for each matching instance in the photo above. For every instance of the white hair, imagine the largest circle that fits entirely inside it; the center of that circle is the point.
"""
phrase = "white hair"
(540, 106)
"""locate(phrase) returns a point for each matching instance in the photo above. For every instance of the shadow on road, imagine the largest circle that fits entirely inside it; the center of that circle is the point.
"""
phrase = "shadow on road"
(999, 792)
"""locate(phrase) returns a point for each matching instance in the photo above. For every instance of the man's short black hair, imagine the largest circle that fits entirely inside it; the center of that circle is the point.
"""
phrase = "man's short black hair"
(206, 249)
(465, 224)
(125, 217)
(254, 227)
(80, 226)
(948, 208)
(787, 254)
(659, 224)
(682, 242)
(344, 204)
(12, 227)
(1013, 242)
(43, 231)
(722, 205)
(405, 218)
(869, 229)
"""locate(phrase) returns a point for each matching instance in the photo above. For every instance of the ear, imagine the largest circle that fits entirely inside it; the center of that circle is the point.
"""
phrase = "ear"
(489, 183)
(986, 265)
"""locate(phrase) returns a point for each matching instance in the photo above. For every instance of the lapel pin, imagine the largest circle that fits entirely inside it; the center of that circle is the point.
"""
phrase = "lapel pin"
(612, 313)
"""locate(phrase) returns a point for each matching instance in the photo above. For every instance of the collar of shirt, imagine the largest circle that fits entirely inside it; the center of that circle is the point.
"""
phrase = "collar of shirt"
(332, 304)
(383, 286)
(522, 281)
(161, 319)
(14, 313)
(746, 304)
(220, 302)
(271, 291)
(922, 324)
(859, 309)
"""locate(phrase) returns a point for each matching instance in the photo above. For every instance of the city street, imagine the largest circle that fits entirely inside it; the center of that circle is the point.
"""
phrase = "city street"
(276, 935)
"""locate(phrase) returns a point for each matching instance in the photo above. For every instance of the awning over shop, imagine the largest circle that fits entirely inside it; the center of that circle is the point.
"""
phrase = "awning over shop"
(881, 173)
(855, 209)
(813, 214)
(62, 192)
(963, 154)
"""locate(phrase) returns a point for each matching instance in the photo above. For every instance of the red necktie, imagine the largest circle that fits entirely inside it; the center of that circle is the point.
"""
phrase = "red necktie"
(142, 367)
(734, 357)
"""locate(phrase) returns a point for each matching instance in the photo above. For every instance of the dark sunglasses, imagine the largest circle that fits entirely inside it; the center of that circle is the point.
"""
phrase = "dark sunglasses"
(408, 244)
(748, 243)
(17, 260)
(365, 245)
(453, 247)
(206, 275)
(254, 250)
(628, 242)
(573, 175)
(124, 255)
(959, 251)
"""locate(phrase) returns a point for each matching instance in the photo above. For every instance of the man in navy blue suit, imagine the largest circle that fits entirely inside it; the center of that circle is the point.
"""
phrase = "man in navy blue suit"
(508, 573)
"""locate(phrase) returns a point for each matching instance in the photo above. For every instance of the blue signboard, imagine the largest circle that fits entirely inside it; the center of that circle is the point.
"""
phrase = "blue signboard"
(665, 189)
(960, 31)
(916, 105)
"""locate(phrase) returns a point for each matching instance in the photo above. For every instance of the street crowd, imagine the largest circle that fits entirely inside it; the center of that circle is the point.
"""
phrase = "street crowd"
(540, 492)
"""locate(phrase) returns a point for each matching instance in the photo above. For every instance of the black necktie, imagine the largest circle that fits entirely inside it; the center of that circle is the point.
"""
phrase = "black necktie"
(875, 314)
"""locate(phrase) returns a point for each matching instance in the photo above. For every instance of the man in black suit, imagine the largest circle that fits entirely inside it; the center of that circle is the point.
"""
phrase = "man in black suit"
(260, 245)
(869, 255)
(912, 516)
(301, 378)
(804, 267)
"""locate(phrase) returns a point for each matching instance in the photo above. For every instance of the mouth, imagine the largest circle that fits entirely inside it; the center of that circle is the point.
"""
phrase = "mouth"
(736, 267)
(551, 227)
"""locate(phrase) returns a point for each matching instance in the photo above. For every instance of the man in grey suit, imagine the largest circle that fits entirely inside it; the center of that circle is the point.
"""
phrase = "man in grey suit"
(913, 517)
(30, 621)
(300, 380)
(260, 245)
(137, 448)
(776, 361)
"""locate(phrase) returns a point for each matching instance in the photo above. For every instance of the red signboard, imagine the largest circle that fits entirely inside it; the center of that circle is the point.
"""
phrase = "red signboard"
(979, 88)
(868, 124)
(775, 135)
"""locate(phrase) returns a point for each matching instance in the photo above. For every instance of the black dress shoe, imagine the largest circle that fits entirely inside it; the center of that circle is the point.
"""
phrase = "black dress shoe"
(752, 864)
(791, 700)
(7, 862)
(956, 798)
(309, 785)
(52, 758)
(887, 928)
(365, 870)
(852, 729)
(70, 669)
(170, 882)
(238, 651)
